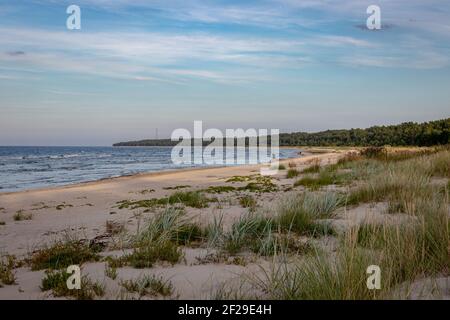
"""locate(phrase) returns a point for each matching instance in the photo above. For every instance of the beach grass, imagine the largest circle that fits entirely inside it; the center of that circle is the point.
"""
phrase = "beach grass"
(63, 254)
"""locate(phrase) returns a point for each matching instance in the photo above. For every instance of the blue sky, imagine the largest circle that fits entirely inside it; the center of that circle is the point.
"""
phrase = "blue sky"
(287, 64)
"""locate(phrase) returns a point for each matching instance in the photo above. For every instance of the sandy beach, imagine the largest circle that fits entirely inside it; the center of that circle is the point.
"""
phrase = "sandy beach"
(83, 210)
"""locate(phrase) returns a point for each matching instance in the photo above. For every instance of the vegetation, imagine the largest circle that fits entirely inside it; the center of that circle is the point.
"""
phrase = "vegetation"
(408, 249)
(57, 282)
(193, 199)
(7, 265)
(248, 201)
(405, 134)
(292, 173)
(110, 271)
(21, 215)
(63, 254)
(159, 240)
(301, 213)
(149, 285)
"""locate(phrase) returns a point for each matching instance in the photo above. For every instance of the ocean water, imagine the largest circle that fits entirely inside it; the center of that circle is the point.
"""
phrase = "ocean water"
(23, 168)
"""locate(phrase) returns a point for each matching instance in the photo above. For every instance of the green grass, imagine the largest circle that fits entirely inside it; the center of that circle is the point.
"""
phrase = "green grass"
(327, 176)
(416, 248)
(110, 271)
(170, 225)
(234, 179)
(194, 199)
(401, 182)
(243, 231)
(149, 285)
(63, 254)
(292, 173)
(300, 213)
(56, 281)
(315, 168)
(160, 238)
(214, 232)
(7, 265)
(219, 189)
(281, 167)
(248, 201)
(147, 255)
(255, 183)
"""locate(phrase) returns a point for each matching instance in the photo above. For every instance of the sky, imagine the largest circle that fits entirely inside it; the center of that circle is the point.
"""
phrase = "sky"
(139, 66)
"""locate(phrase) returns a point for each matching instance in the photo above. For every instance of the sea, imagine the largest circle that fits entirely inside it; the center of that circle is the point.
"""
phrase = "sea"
(25, 168)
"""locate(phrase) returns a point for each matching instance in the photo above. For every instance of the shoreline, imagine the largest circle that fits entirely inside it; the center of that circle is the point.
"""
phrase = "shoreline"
(36, 219)
(143, 175)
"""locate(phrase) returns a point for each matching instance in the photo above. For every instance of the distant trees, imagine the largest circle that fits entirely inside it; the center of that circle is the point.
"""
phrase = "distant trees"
(405, 134)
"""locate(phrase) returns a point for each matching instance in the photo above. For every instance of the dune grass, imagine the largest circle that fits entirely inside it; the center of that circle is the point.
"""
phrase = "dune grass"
(149, 285)
(248, 201)
(412, 248)
(56, 281)
(292, 173)
(194, 199)
(7, 265)
(63, 254)
(301, 213)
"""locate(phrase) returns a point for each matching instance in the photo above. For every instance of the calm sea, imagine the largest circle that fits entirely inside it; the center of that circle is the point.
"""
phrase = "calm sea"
(23, 168)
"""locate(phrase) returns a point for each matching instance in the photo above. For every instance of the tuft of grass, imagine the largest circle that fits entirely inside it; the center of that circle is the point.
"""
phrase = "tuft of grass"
(160, 238)
(193, 199)
(7, 265)
(56, 281)
(63, 254)
(219, 189)
(234, 179)
(243, 232)
(146, 256)
(2, 223)
(281, 167)
(149, 285)
(400, 182)
(170, 225)
(314, 168)
(214, 232)
(110, 271)
(256, 183)
(113, 227)
(292, 173)
(300, 213)
(439, 164)
(327, 176)
(21, 215)
(248, 201)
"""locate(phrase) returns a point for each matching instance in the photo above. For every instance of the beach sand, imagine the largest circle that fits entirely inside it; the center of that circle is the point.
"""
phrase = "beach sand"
(82, 211)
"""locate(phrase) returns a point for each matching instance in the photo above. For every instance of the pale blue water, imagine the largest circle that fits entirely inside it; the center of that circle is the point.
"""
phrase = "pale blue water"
(23, 168)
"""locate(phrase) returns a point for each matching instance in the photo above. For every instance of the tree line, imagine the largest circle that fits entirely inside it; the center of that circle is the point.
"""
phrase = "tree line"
(405, 134)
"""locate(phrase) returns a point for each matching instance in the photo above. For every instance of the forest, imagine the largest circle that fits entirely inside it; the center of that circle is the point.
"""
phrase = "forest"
(405, 134)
